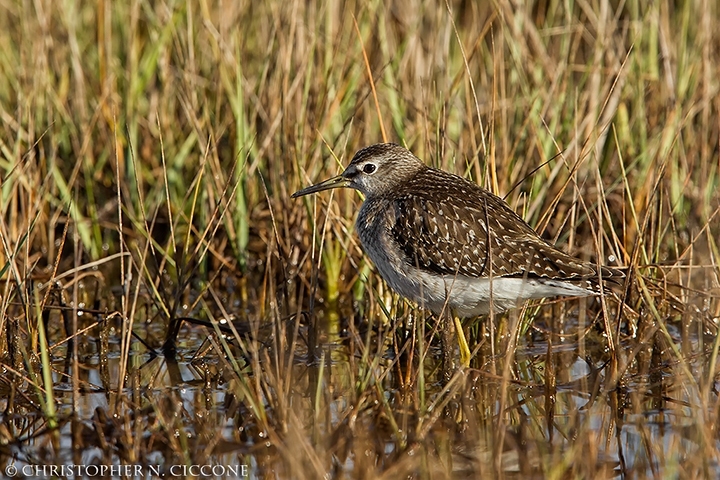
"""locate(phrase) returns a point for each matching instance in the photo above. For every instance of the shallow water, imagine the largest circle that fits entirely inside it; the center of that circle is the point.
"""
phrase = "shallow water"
(558, 401)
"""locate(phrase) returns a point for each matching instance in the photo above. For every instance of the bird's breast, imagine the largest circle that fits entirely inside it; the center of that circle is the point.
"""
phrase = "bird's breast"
(374, 225)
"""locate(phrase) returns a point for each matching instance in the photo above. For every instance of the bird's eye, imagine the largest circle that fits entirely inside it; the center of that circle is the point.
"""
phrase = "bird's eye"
(369, 168)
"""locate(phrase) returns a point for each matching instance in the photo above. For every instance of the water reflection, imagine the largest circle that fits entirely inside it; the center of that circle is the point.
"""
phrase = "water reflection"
(373, 399)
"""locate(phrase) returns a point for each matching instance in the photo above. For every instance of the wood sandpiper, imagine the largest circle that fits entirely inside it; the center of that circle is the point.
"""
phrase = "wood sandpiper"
(448, 244)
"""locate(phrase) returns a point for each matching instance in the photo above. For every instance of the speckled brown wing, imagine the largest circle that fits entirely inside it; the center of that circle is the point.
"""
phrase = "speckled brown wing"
(455, 227)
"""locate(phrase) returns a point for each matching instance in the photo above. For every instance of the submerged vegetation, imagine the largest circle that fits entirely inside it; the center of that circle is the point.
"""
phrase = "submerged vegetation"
(165, 303)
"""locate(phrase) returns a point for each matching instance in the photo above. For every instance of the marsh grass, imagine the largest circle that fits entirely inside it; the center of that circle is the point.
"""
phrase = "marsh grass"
(164, 301)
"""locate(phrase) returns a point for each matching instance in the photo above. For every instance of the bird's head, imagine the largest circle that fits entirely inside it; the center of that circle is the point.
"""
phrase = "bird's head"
(374, 170)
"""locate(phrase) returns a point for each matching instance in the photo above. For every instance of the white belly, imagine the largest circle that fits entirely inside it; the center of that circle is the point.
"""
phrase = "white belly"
(470, 297)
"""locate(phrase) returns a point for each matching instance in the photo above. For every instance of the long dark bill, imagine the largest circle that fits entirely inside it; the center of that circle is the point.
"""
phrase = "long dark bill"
(334, 182)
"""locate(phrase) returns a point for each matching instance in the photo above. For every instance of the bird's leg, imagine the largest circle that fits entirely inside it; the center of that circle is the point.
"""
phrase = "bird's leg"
(462, 342)
(452, 334)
